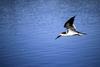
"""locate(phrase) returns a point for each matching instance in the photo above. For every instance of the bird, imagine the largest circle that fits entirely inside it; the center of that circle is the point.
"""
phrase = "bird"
(70, 29)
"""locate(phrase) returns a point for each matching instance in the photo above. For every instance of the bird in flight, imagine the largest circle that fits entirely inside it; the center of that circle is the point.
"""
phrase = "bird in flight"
(70, 29)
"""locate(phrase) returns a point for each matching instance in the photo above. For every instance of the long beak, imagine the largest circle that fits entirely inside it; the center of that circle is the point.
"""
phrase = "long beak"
(58, 36)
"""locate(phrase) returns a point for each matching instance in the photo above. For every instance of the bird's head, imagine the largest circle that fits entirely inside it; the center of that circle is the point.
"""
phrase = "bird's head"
(61, 34)
(58, 36)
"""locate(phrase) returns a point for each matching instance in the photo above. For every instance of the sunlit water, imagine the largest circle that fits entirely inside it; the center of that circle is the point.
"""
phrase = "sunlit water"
(28, 29)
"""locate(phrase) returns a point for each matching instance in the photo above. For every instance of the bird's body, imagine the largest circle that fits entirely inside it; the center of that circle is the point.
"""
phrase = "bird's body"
(71, 29)
(69, 33)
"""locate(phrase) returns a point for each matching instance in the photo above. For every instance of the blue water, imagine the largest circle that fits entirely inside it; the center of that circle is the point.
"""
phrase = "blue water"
(28, 29)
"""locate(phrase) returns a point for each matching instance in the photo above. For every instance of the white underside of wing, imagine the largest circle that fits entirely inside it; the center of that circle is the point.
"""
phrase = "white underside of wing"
(74, 26)
(71, 32)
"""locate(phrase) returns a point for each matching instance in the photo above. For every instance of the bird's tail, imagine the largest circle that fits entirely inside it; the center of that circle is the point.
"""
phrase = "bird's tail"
(80, 33)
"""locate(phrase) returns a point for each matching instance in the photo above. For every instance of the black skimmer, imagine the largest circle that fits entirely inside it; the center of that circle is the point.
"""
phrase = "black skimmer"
(71, 29)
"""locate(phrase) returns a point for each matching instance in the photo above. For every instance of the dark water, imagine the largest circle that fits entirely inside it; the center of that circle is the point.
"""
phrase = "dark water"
(28, 29)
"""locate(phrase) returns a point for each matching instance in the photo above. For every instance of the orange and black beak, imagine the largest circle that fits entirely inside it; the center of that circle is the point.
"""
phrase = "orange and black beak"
(58, 36)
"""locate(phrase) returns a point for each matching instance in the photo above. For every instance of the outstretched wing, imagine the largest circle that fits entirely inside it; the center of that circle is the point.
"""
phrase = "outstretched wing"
(70, 24)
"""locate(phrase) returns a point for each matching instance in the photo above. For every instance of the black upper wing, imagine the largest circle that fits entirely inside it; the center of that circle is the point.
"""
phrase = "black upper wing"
(69, 24)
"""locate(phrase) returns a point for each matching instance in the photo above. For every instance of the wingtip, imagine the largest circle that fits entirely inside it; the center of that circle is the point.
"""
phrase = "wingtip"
(74, 16)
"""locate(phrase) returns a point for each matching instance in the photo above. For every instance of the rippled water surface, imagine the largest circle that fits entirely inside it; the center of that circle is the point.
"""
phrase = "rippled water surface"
(28, 29)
